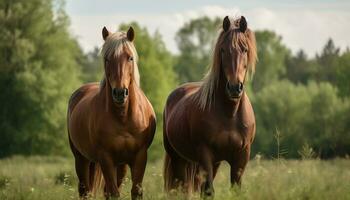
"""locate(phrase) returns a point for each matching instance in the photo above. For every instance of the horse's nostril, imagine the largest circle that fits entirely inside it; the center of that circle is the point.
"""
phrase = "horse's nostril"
(114, 92)
(240, 87)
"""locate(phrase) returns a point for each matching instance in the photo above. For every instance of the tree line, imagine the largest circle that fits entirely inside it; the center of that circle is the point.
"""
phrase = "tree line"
(299, 101)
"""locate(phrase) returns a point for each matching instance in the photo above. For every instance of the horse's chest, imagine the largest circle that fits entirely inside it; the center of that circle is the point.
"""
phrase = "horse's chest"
(227, 139)
(122, 143)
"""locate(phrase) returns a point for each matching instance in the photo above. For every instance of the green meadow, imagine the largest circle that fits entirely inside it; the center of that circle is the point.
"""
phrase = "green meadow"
(44, 178)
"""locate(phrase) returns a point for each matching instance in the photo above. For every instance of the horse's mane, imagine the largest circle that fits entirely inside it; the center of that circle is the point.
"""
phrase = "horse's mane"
(206, 93)
(114, 46)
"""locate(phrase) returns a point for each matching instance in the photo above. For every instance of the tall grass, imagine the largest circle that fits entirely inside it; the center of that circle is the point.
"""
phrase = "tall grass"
(39, 178)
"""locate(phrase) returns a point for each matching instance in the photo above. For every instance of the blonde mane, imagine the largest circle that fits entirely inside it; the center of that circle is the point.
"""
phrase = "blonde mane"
(114, 46)
(206, 94)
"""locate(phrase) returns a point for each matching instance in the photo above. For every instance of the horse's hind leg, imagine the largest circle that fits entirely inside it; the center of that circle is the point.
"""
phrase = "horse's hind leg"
(175, 170)
(82, 171)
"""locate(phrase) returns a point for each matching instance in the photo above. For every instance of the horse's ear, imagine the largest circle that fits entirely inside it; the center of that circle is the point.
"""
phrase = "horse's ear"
(226, 24)
(130, 34)
(243, 24)
(105, 33)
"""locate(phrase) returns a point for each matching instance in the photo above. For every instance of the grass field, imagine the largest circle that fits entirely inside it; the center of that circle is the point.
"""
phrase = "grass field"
(40, 178)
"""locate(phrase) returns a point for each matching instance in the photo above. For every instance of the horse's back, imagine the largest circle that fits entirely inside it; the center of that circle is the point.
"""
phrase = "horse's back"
(80, 93)
(179, 93)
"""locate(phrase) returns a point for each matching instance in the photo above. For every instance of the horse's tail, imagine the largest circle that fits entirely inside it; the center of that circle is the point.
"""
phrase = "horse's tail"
(178, 172)
(190, 179)
(97, 181)
(168, 174)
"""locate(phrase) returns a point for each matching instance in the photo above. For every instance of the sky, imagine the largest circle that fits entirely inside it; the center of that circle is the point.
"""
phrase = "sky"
(303, 24)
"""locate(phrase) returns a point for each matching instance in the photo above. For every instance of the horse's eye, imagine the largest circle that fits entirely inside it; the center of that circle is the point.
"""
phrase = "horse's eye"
(130, 59)
(245, 50)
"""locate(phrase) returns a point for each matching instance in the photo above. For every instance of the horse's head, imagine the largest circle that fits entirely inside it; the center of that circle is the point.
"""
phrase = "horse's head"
(236, 51)
(120, 63)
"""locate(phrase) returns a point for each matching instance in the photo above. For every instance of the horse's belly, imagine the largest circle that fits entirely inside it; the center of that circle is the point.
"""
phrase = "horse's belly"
(81, 142)
(181, 141)
(79, 133)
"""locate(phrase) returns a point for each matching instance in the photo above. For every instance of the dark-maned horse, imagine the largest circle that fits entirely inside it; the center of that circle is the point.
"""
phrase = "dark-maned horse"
(212, 121)
(112, 124)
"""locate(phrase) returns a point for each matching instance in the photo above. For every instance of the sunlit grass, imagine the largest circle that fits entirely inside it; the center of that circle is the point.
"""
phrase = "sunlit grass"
(54, 178)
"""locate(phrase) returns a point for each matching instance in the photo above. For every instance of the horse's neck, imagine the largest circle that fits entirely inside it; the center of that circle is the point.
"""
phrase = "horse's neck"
(229, 107)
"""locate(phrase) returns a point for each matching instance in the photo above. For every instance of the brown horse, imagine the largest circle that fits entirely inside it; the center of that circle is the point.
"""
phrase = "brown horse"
(212, 121)
(112, 124)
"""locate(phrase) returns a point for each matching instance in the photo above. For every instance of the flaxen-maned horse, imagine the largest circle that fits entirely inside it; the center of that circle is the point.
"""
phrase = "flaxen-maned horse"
(112, 124)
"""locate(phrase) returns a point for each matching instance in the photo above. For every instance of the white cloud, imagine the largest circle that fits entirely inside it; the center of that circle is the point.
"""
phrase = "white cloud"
(301, 29)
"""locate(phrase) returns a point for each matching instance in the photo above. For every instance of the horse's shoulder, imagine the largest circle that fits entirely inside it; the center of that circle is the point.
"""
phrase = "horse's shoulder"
(247, 112)
(145, 103)
(247, 119)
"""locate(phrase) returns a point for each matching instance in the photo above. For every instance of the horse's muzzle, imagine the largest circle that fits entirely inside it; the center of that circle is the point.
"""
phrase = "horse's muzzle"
(234, 91)
(119, 95)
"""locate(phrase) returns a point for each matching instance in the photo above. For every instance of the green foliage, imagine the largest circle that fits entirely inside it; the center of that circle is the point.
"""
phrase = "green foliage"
(195, 41)
(343, 74)
(92, 66)
(39, 69)
(303, 114)
(299, 68)
(328, 62)
(272, 56)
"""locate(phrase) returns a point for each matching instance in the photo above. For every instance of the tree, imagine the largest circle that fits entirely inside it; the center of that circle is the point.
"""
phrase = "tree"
(299, 68)
(195, 41)
(39, 70)
(92, 68)
(343, 74)
(328, 62)
(272, 56)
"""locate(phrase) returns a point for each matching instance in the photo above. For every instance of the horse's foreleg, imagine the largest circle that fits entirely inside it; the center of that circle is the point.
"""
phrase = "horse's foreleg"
(206, 163)
(137, 171)
(110, 175)
(121, 172)
(238, 166)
